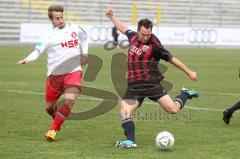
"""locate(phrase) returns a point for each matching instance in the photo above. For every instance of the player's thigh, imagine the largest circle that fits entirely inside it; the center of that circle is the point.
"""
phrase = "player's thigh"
(51, 94)
(72, 86)
(73, 79)
(167, 103)
(127, 107)
(70, 94)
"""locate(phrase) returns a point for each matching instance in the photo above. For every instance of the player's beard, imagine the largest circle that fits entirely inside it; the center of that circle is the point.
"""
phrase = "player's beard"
(142, 39)
(61, 26)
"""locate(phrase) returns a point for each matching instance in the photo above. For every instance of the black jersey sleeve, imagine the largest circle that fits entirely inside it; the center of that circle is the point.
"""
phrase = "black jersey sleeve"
(165, 55)
(130, 34)
(159, 51)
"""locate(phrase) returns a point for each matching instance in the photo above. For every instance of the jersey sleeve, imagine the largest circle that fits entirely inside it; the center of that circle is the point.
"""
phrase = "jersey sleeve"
(40, 46)
(130, 34)
(43, 43)
(39, 49)
(159, 51)
(165, 54)
(33, 56)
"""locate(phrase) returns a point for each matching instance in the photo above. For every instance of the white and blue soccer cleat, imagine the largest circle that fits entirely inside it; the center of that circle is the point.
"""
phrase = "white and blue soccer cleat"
(127, 144)
(191, 92)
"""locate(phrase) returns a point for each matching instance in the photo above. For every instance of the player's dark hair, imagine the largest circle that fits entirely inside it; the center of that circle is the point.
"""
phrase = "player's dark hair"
(56, 8)
(146, 23)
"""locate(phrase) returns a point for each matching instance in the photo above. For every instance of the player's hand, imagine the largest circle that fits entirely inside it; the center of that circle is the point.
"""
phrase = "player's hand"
(109, 12)
(192, 75)
(22, 61)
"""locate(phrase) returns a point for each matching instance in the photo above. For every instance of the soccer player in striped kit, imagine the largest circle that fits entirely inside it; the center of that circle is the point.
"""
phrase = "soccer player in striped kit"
(64, 66)
(144, 77)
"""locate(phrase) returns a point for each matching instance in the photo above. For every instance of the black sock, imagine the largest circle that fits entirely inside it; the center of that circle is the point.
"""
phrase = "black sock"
(129, 128)
(234, 107)
(182, 98)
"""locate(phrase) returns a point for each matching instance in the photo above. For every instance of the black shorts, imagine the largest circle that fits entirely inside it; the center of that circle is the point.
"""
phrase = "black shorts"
(141, 91)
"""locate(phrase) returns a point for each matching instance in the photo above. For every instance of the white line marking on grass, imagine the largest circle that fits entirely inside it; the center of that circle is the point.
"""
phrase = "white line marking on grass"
(25, 92)
(217, 93)
(194, 107)
(101, 87)
(222, 93)
(203, 109)
(14, 83)
(42, 94)
(82, 97)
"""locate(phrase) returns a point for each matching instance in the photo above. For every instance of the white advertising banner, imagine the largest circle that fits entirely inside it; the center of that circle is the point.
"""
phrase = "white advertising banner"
(198, 36)
(33, 32)
(101, 34)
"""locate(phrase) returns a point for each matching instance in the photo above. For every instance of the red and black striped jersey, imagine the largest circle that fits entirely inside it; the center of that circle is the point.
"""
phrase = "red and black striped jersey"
(143, 58)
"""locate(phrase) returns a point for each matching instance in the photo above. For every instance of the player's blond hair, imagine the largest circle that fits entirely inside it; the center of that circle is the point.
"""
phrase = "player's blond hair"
(56, 8)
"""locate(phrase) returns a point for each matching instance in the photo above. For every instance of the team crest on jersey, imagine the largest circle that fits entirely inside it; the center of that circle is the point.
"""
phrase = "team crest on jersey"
(145, 48)
(74, 35)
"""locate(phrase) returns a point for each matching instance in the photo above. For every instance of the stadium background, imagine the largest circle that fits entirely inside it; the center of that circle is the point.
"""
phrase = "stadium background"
(198, 129)
(174, 13)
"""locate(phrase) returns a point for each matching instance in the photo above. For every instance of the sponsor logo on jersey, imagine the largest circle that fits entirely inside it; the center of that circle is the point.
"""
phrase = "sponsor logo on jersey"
(138, 51)
(135, 50)
(145, 48)
(70, 43)
(74, 34)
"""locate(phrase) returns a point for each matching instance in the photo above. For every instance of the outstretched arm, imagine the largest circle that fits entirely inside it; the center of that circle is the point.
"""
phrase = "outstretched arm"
(31, 57)
(120, 25)
(191, 74)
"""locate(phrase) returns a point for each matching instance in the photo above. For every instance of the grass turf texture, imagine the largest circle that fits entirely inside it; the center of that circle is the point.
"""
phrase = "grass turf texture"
(198, 133)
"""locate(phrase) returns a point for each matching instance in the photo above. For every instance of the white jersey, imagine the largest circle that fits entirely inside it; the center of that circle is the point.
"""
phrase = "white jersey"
(63, 49)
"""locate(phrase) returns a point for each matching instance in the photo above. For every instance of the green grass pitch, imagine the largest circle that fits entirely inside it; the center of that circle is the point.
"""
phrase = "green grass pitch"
(198, 130)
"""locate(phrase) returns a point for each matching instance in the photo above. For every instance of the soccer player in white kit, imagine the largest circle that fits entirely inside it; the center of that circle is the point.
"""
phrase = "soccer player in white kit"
(64, 66)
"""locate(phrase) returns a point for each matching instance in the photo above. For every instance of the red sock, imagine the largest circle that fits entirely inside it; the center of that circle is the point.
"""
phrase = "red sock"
(60, 117)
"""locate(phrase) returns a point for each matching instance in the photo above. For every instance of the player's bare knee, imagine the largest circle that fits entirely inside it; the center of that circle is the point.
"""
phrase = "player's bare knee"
(49, 109)
(173, 110)
(50, 106)
(125, 114)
